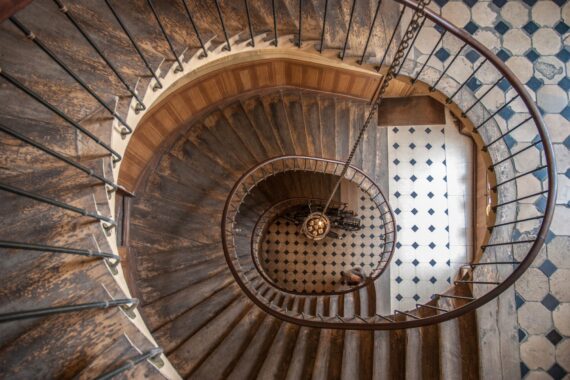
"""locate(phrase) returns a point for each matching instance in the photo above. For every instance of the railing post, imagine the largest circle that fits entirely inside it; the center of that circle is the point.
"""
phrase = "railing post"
(140, 106)
(158, 85)
(361, 60)
(343, 53)
(28, 33)
(180, 68)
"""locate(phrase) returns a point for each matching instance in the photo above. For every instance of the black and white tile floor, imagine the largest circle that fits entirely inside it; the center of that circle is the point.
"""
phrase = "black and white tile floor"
(298, 264)
(429, 171)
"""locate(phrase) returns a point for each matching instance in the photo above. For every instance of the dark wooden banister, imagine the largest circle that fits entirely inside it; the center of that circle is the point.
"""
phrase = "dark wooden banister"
(518, 271)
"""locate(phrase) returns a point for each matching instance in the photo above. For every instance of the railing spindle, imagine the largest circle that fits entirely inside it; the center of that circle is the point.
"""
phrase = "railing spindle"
(497, 111)
(196, 31)
(140, 106)
(37, 97)
(250, 27)
(299, 39)
(53, 202)
(402, 10)
(464, 113)
(450, 99)
(274, 10)
(44, 312)
(158, 84)
(321, 47)
(28, 33)
(433, 86)
(361, 60)
(343, 53)
(221, 17)
(180, 68)
(152, 355)
(429, 56)
(61, 157)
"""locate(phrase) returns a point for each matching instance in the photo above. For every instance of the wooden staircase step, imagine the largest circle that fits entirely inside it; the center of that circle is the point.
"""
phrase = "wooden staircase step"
(170, 307)
(164, 284)
(240, 124)
(280, 353)
(312, 115)
(259, 120)
(233, 145)
(175, 332)
(296, 121)
(220, 362)
(305, 350)
(178, 192)
(252, 357)
(61, 331)
(276, 112)
(381, 355)
(200, 140)
(342, 130)
(327, 107)
(358, 115)
(196, 171)
(114, 356)
(192, 353)
(152, 262)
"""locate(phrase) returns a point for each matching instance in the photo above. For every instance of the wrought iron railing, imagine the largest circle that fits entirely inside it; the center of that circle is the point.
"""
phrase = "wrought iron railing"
(382, 257)
(242, 258)
(520, 226)
(522, 211)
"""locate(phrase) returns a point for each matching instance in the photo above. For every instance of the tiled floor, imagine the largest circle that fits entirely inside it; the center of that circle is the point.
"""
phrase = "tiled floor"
(298, 264)
(532, 37)
(430, 170)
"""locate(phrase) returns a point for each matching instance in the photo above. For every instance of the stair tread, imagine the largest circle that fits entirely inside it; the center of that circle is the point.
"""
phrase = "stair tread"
(176, 331)
(188, 356)
(280, 353)
(219, 363)
(173, 305)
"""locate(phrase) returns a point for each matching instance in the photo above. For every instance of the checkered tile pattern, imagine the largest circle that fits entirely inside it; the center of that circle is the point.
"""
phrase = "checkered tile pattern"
(532, 37)
(427, 192)
(298, 264)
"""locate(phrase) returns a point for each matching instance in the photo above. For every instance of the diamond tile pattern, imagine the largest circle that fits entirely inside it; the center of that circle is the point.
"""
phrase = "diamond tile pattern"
(515, 32)
(298, 264)
(425, 259)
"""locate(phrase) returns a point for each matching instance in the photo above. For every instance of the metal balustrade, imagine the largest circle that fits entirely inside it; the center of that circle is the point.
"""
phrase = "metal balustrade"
(153, 356)
(497, 255)
(483, 120)
(128, 305)
(240, 258)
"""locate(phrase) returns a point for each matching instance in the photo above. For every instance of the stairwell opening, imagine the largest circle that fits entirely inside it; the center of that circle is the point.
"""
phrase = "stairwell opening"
(295, 263)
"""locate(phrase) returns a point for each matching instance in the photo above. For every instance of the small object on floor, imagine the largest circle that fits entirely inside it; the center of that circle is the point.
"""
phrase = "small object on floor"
(353, 277)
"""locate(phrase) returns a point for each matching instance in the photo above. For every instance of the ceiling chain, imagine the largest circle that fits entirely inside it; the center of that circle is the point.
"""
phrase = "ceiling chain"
(413, 28)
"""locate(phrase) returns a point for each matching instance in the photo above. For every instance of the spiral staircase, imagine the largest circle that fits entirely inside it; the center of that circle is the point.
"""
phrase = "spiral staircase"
(147, 144)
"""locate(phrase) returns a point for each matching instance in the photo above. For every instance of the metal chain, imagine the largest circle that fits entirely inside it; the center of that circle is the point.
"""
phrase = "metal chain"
(413, 27)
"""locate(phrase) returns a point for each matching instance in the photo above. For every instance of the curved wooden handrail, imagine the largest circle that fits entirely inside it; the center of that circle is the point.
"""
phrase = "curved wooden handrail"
(389, 323)
(365, 283)
(225, 216)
